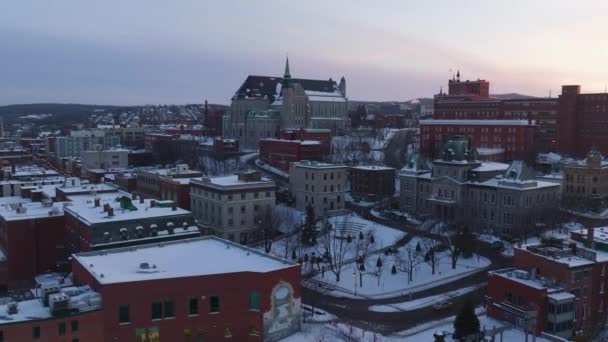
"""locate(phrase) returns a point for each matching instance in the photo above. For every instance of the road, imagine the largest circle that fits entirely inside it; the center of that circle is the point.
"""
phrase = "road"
(355, 311)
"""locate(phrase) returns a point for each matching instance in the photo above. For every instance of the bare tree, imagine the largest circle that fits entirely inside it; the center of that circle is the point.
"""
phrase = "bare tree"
(452, 241)
(408, 258)
(335, 246)
(430, 249)
(268, 224)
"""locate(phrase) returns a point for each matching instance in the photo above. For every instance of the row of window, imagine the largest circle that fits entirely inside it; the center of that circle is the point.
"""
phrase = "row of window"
(230, 197)
(165, 309)
(325, 175)
(61, 331)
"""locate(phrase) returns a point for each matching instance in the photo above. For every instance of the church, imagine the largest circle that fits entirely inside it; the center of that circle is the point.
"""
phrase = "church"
(264, 105)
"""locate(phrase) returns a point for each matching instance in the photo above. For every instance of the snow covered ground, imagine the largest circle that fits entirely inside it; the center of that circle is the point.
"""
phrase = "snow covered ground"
(271, 169)
(392, 285)
(422, 302)
(340, 332)
(396, 214)
(383, 237)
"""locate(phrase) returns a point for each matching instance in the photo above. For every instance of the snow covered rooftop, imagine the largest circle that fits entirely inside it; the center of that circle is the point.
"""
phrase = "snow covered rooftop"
(87, 187)
(83, 208)
(233, 181)
(318, 165)
(372, 168)
(34, 210)
(176, 259)
(475, 122)
(528, 279)
(491, 166)
(488, 151)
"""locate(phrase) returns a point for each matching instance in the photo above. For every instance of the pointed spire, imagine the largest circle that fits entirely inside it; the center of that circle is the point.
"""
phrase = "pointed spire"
(287, 74)
(458, 75)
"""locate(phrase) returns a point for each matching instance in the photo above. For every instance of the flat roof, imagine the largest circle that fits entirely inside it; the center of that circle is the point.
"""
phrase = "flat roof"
(475, 122)
(372, 168)
(33, 210)
(87, 187)
(83, 208)
(232, 180)
(201, 256)
(318, 165)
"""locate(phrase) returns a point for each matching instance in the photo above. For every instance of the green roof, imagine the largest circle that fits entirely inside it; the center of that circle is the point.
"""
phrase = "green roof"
(458, 148)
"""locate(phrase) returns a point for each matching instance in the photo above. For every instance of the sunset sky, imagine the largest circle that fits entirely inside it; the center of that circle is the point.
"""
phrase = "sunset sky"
(183, 51)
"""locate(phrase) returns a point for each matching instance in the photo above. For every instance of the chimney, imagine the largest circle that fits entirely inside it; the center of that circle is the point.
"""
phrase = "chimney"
(589, 241)
(97, 201)
(141, 199)
(573, 248)
(110, 211)
(174, 206)
(106, 207)
(133, 196)
(152, 203)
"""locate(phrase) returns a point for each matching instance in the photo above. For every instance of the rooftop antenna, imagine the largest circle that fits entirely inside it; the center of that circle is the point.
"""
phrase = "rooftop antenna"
(549, 93)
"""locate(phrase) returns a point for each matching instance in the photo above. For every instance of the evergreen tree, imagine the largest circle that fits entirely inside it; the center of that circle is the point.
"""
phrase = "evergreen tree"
(360, 235)
(394, 270)
(371, 239)
(309, 231)
(379, 263)
(418, 248)
(466, 322)
(293, 254)
(439, 337)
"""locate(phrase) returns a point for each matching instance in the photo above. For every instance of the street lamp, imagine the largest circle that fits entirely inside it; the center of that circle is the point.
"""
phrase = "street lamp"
(355, 280)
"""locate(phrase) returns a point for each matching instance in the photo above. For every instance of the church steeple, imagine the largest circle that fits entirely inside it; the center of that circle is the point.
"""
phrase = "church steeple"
(287, 74)
(458, 75)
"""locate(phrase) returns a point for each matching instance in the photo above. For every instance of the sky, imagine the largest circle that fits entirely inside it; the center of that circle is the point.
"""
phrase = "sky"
(184, 51)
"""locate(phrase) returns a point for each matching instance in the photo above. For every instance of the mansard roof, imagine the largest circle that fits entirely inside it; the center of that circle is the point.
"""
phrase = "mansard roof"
(458, 149)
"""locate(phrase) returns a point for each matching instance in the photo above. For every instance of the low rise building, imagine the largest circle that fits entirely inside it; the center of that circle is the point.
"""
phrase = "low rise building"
(585, 184)
(167, 184)
(243, 295)
(113, 158)
(280, 153)
(110, 220)
(372, 182)
(458, 188)
(320, 185)
(557, 287)
(232, 207)
(32, 241)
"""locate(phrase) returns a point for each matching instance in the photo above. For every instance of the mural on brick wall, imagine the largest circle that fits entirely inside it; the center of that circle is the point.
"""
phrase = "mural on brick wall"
(284, 317)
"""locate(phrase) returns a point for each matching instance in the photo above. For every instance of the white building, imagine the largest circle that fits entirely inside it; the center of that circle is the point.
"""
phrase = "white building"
(85, 140)
(113, 158)
(320, 185)
(232, 207)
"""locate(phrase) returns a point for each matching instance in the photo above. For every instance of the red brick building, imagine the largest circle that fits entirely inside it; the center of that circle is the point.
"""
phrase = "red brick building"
(372, 182)
(32, 237)
(225, 147)
(470, 100)
(583, 121)
(317, 134)
(156, 293)
(558, 287)
(279, 152)
(514, 137)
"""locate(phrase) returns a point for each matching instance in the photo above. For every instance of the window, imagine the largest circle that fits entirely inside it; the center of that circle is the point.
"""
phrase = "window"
(169, 309)
(157, 310)
(75, 326)
(36, 333)
(230, 197)
(214, 304)
(243, 196)
(193, 306)
(123, 314)
(254, 301)
(61, 328)
(267, 193)
(256, 195)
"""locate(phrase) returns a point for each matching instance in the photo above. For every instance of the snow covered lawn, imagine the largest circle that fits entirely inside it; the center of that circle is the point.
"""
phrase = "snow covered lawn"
(393, 285)
(339, 332)
(422, 302)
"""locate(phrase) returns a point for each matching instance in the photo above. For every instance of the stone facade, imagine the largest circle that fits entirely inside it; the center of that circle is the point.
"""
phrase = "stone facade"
(232, 207)
(318, 184)
(485, 196)
(298, 103)
(585, 183)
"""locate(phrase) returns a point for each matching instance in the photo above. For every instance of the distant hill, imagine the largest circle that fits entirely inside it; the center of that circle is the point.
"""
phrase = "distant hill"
(65, 112)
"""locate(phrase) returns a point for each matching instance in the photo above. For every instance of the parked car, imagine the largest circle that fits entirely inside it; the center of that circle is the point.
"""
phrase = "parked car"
(442, 305)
